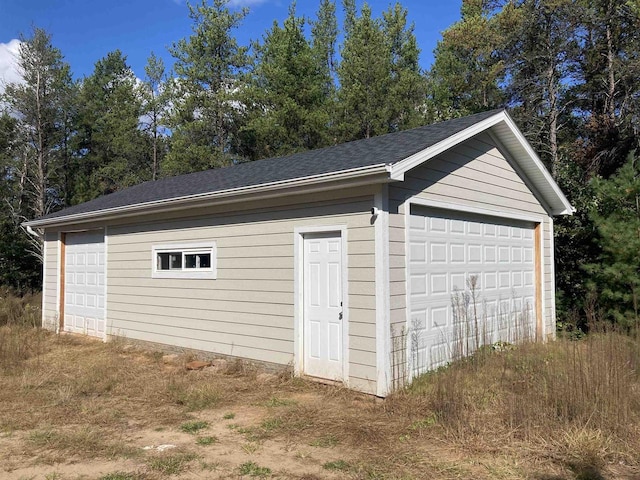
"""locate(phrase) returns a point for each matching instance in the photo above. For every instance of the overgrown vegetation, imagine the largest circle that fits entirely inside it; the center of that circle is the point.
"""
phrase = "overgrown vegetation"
(565, 409)
(20, 338)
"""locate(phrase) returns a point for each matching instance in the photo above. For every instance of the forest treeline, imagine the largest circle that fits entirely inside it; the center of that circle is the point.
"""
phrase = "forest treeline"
(566, 70)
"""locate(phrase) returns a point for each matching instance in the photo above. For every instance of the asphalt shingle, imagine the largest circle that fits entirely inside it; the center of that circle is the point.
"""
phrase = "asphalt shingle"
(385, 149)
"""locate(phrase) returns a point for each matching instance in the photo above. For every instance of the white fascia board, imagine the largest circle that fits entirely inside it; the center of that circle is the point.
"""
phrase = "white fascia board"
(398, 170)
(241, 193)
(568, 208)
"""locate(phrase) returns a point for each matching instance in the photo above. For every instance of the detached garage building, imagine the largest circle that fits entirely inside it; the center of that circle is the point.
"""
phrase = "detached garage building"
(358, 263)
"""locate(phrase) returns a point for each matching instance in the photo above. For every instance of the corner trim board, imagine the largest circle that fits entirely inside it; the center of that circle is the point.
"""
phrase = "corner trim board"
(383, 313)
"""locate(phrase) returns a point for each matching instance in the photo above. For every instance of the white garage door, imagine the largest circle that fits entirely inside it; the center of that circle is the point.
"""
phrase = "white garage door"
(472, 282)
(84, 283)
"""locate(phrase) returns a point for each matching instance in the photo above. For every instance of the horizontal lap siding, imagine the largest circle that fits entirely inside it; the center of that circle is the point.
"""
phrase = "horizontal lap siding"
(50, 281)
(475, 174)
(397, 287)
(248, 310)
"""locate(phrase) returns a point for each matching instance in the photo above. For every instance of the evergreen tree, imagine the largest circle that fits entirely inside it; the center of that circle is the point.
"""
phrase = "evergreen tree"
(365, 76)
(617, 218)
(540, 59)
(155, 102)
(468, 70)
(287, 94)
(607, 91)
(114, 151)
(407, 89)
(206, 107)
(40, 104)
(324, 33)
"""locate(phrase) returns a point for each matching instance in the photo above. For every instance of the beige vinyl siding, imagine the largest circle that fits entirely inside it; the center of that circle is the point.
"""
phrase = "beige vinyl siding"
(50, 275)
(248, 310)
(397, 288)
(475, 174)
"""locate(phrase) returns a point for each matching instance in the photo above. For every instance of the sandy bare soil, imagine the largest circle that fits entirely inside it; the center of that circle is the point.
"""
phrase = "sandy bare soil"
(81, 409)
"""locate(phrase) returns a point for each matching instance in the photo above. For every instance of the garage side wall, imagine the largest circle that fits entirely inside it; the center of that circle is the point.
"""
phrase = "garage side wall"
(50, 275)
(248, 310)
(474, 174)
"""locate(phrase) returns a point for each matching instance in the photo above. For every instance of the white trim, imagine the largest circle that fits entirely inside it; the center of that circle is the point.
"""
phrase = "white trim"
(406, 206)
(106, 282)
(298, 295)
(44, 282)
(400, 168)
(552, 248)
(543, 330)
(525, 217)
(383, 312)
(188, 200)
(538, 163)
(59, 283)
(195, 247)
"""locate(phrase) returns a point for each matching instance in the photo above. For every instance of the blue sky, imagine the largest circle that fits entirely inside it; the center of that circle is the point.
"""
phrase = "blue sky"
(86, 30)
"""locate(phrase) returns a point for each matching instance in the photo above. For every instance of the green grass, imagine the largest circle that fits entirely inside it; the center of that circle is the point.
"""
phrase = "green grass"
(120, 476)
(280, 402)
(254, 470)
(337, 465)
(171, 464)
(326, 441)
(194, 426)
(229, 416)
(206, 441)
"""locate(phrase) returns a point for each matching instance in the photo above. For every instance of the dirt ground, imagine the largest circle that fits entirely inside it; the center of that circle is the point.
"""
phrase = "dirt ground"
(81, 409)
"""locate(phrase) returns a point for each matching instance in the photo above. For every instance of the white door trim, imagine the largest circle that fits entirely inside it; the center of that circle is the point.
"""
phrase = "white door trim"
(457, 207)
(298, 295)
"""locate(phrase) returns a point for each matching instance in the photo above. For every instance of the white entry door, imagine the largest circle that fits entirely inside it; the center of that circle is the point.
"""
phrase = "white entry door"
(84, 288)
(323, 315)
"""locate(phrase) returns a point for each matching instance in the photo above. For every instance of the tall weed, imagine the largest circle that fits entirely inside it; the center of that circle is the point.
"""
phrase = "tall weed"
(20, 337)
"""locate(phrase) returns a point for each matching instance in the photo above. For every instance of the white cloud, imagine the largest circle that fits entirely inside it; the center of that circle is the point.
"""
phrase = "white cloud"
(9, 72)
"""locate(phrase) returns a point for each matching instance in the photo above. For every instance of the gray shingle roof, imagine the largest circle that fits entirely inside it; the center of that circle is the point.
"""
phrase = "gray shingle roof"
(385, 149)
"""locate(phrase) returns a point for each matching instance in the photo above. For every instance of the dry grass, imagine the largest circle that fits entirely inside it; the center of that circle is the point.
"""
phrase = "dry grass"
(564, 410)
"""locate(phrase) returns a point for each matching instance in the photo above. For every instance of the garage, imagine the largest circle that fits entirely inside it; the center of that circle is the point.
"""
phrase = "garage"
(472, 282)
(84, 283)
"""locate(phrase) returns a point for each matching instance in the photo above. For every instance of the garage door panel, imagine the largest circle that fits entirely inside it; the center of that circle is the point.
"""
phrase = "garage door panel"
(84, 283)
(446, 251)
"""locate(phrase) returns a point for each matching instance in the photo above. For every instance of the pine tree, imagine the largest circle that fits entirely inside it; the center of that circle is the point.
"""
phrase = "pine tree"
(540, 60)
(468, 69)
(408, 88)
(206, 107)
(324, 33)
(365, 76)
(287, 94)
(114, 150)
(607, 89)
(40, 104)
(616, 215)
(155, 103)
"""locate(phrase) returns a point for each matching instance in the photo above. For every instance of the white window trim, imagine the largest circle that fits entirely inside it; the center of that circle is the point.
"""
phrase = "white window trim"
(200, 273)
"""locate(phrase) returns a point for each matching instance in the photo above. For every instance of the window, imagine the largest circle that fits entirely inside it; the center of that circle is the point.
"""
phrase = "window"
(184, 261)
